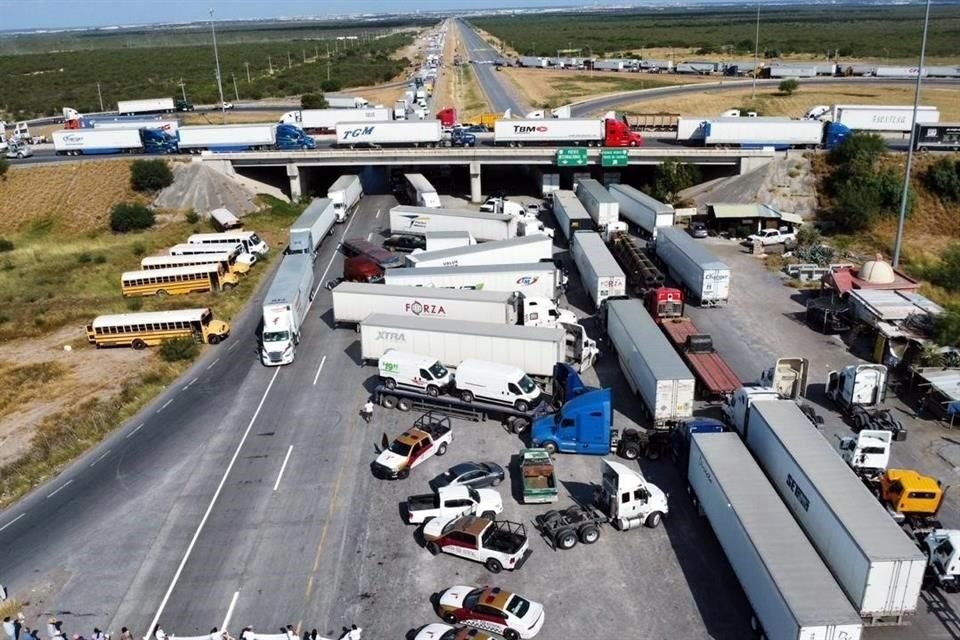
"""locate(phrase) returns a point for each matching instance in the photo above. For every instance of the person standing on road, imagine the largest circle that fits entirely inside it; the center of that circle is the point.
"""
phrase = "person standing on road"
(99, 635)
(10, 628)
(367, 412)
(125, 634)
(159, 633)
(355, 632)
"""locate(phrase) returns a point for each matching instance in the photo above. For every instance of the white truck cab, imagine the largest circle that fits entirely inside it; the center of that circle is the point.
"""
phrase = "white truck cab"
(497, 383)
(863, 385)
(942, 547)
(788, 376)
(868, 453)
(737, 406)
(628, 499)
(542, 312)
(414, 371)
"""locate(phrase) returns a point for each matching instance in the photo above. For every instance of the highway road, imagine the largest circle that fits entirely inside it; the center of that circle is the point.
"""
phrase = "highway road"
(499, 94)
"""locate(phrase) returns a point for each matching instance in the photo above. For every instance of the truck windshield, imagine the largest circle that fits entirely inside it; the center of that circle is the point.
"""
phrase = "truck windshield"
(399, 448)
(438, 371)
(526, 384)
(474, 495)
(276, 336)
(254, 239)
(518, 606)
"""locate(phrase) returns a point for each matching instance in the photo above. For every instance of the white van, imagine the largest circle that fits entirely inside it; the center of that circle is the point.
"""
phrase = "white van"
(413, 371)
(224, 220)
(492, 382)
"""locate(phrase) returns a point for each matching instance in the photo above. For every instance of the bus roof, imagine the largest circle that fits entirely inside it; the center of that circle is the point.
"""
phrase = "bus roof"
(196, 248)
(200, 237)
(179, 315)
(190, 269)
(193, 258)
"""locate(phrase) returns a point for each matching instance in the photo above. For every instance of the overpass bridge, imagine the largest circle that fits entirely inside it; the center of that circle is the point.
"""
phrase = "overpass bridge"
(743, 160)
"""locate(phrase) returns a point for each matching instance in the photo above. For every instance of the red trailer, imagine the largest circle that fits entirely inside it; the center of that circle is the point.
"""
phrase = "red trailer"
(715, 378)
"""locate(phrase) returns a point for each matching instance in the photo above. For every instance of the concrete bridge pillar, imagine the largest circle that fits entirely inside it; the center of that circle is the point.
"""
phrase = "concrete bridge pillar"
(749, 163)
(476, 193)
(296, 186)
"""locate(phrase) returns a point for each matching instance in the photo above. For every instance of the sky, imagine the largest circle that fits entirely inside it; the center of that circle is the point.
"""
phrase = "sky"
(57, 14)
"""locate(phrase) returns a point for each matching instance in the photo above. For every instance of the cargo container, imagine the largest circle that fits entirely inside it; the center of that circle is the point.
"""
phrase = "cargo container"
(345, 102)
(645, 213)
(420, 221)
(75, 142)
(440, 240)
(876, 564)
(402, 133)
(345, 193)
(576, 131)
(881, 118)
(419, 191)
(326, 120)
(691, 129)
(570, 214)
(285, 307)
(313, 225)
(514, 251)
(698, 271)
(791, 71)
(167, 126)
(600, 274)
(938, 136)
(535, 350)
(354, 301)
(536, 279)
(652, 368)
(242, 137)
(598, 202)
(147, 105)
(652, 121)
(791, 592)
(779, 133)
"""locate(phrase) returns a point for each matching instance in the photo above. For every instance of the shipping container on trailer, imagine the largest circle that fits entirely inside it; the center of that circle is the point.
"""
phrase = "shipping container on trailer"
(691, 128)
(763, 132)
(604, 210)
(482, 226)
(354, 301)
(879, 568)
(345, 193)
(405, 132)
(313, 225)
(570, 214)
(652, 368)
(600, 273)
(326, 120)
(96, 141)
(535, 279)
(420, 192)
(697, 270)
(570, 130)
(147, 105)
(862, 117)
(791, 591)
(646, 213)
(792, 71)
(228, 137)
(535, 350)
(513, 251)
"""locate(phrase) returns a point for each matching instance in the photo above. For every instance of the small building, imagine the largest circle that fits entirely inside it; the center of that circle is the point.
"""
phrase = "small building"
(942, 397)
(874, 274)
(740, 220)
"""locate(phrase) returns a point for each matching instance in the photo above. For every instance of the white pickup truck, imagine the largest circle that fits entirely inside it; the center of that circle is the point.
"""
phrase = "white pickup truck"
(768, 237)
(450, 502)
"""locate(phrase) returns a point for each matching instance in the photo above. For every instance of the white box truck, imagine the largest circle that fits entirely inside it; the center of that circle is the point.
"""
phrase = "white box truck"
(691, 129)
(879, 568)
(313, 225)
(93, 141)
(420, 192)
(791, 592)
(604, 210)
(409, 132)
(599, 272)
(482, 226)
(345, 193)
(534, 279)
(440, 240)
(514, 251)
(354, 301)
(652, 367)
(700, 272)
(284, 308)
(345, 102)
(645, 213)
(326, 120)
(147, 105)
(570, 214)
(862, 117)
(587, 130)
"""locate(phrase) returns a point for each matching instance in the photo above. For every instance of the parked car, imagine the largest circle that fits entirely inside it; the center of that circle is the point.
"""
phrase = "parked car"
(470, 474)
(492, 609)
(440, 631)
(698, 230)
(405, 244)
(768, 237)
(448, 503)
(225, 107)
(497, 544)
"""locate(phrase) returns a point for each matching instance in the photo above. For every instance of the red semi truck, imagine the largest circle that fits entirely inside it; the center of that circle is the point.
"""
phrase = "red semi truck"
(447, 117)
(715, 378)
(565, 131)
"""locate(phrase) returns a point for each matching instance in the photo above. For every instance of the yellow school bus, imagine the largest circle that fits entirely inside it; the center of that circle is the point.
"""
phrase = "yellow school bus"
(197, 278)
(139, 330)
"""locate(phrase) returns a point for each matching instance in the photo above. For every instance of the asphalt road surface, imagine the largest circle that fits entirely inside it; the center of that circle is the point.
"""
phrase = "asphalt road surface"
(499, 94)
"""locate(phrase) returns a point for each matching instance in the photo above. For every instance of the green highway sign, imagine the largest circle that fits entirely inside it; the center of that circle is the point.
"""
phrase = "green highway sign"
(614, 157)
(571, 157)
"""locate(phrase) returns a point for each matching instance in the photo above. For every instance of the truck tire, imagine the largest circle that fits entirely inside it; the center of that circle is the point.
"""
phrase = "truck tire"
(550, 447)
(432, 391)
(573, 513)
(404, 404)
(565, 538)
(493, 565)
(449, 618)
(630, 450)
(388, 402)
(510, 634)
(522, 405)
(442, 449)
(519, 425)
(139, 344)
(403, 474)
(549, 516)
(433, 548)
(589, 533)
(653, 520)
(466, 396)
(390, 383)
(652, 453)
(488, 515)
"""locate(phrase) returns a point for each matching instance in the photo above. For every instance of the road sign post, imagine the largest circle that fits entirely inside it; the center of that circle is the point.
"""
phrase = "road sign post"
(571, 157)
(614, 157)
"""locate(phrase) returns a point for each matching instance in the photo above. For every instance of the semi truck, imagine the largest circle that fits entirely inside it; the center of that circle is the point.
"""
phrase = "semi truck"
(652, 121)
(313, 225)
(699, 273)
(345, 193)
(345, 102)
(284, 308)
(791, 592)
(876, 564)
(575, 131)
(152, 105)
(600, 274)
(440, 240)
(326, 120)
(715, 378)
(652, 368)
(570, 214)
(858, 391)
(420, 221)
(76, 142)
(242, 137)
(603, 209)
(536, 279)
(643, 276)
(779, 133)
(401, 133)
(419, 191)
(514, 251)
(862, 117)
(645, 213)
(937, 136)
(535, 350)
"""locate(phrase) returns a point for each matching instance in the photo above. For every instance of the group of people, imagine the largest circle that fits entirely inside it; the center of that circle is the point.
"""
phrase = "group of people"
(16, 629)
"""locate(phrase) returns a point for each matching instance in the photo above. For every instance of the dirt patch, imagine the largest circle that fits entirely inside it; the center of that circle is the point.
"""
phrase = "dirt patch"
(199, 187)
(232, 117)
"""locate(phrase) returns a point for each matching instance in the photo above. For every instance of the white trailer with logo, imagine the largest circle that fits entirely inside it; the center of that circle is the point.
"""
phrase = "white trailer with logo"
(345, 193)
(864, 117)
(879, 568)
(513, 251)
(697, 270)
(791, 592)
(420, 221)
(354, 301)
(326, 120)
(535, 279)
(565, 130)
(602, 207)
(415, 133)
(599, 272)
(313, 225)
(645, 213)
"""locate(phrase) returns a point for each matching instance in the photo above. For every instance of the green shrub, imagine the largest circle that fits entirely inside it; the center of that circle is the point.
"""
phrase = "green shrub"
(99, 259)
(192, 217)
(808, 236)
(943, 179)
(331, 85)
(178, 349)
(947, 273)
(4, 166)
(313, 101)
(673, 177)
(150, 175)
(130, 217)
(946, 327)
(135, 304)
(138, 249)
(788, 87)
(6, 245)
(84, 257)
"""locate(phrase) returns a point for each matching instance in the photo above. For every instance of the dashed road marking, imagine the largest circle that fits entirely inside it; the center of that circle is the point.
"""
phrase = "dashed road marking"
(59, 489)
(286, 459)
(139, 426)
(210, 366)
(101, 457)
(165, 405)
(12, 521)
(319, 369)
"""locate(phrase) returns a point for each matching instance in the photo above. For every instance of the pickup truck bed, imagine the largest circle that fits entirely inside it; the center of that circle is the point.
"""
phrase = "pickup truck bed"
(505, 537)
(715, 376)
(423, 501)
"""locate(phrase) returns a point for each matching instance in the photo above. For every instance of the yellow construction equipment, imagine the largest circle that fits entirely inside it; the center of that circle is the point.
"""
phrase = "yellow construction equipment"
(909, 495)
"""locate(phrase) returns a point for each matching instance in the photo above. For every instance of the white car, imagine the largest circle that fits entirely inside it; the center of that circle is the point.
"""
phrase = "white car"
(440, 631)
(19, 152)
(492, 609)
(226, 106)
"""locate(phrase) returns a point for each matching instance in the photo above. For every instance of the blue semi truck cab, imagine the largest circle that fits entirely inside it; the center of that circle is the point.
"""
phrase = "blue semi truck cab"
(583, 424)
(158, 141)
(460, 138)
(680, 437)
(835, 133)
(291, 137)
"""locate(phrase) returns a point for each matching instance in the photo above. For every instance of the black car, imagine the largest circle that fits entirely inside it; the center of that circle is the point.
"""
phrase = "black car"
(470, 474)
(405, 243)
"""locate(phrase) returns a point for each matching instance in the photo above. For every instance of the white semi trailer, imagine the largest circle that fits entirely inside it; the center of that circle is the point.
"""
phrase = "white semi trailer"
(423, 220)
(602, 207)
(570, 214)
(514, 251)
(345, 193)
(313, 225)
(534, 279)
(284, 308)
(645, 213)
(600, 274)
(696, 269)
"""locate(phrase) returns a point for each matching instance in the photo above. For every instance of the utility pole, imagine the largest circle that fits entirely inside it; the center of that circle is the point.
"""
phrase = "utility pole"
(183, 89)
(216, 56)
(270, 64)
(304, 51)
(904, 196)
(328, 60)
(99, 95)
(289, 60)
(247, 65)
(236, 93)
(756, 54)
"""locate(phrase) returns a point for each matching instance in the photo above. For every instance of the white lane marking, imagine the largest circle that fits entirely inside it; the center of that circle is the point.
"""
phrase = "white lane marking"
(233, 603)
(139, 426)
(213, 501)
(210, 366)
(59, 489)
(187, 386)
(369, 235)
(165, 405)
(286, 459)
(378, 214)
(12, 521)
(231, 347)
(319, 369)
(323, 278)
(102, 456)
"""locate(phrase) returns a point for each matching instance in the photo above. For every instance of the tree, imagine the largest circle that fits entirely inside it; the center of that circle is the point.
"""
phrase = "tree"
(857, 155)
(943, 179)
(788, 87)
(178, 349)
(313, 101)
(150, 175)
(946, 327)
(330, 85)
(947, 273)
(673, 177)
(130, 217)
